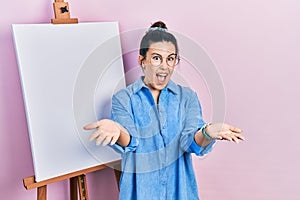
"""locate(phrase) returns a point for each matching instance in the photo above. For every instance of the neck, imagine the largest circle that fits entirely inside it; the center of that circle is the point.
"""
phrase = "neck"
(155, 94)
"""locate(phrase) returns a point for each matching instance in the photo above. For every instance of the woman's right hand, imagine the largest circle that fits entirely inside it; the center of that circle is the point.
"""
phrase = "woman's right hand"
(107, 131)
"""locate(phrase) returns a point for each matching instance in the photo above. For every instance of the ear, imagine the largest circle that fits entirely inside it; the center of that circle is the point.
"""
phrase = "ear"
(140, 59)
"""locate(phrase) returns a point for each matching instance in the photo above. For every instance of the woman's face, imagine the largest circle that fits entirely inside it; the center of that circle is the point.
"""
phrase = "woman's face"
(159, 64)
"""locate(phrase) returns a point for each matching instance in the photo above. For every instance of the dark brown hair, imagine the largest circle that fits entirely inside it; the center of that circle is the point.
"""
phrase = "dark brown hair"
(158, 32)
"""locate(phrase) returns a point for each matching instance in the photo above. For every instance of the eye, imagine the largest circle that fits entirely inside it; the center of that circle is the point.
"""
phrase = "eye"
(171, 58)
(156, 58)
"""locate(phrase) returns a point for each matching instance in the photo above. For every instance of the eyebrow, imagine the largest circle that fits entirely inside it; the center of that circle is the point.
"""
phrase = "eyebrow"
(161, 55)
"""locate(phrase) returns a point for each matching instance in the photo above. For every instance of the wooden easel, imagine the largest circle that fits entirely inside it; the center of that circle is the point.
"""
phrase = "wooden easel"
(78, 183)
(62, 13)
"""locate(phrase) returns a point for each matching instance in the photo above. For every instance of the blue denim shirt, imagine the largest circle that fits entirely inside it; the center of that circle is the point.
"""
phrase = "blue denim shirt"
(157, 164)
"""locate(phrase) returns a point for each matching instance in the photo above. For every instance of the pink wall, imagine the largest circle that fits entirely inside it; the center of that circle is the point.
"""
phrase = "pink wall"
(255, 46)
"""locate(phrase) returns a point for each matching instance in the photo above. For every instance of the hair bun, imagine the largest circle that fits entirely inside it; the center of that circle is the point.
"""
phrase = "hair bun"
(159, 24)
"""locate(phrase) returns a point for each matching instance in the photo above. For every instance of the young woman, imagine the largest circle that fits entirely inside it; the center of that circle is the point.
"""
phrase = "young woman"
(156, 124)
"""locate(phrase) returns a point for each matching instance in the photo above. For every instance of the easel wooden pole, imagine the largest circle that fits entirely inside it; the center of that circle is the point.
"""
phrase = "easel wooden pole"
(42, 193)
(78, 183)
(73, 188)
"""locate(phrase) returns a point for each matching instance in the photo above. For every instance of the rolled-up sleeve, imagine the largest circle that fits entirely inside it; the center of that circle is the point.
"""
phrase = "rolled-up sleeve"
(131, 146)
(121, 113)
(200, 151)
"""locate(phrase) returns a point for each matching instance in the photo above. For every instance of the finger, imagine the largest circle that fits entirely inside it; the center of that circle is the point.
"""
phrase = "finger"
(106, 141)
(235, 139)
(219, 138)
(235, 129)
(226, 137)
(114, 140)
(229, 135)
(91, 126)
(241, 137)
(100, 139)
(95, 135)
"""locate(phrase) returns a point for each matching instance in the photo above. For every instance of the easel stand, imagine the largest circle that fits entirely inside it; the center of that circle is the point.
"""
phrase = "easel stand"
(78, 183)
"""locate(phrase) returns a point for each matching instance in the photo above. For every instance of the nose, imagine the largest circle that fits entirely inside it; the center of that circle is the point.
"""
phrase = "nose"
(164, 66)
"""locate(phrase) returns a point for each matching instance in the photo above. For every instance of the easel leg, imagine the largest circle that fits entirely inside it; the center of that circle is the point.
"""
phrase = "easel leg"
(83, 193)
(42, 192)
(117, 176)
(78, 184)
(73, 188)
(118, 173)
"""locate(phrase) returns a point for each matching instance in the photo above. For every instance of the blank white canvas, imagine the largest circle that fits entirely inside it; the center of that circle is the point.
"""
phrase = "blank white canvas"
(69, 73)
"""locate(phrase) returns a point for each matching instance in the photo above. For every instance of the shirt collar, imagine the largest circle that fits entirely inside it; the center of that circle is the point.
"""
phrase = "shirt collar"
(173, 87)
(139, 84)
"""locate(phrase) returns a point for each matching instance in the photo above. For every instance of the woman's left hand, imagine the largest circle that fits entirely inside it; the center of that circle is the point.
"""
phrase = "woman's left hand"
(224, 131)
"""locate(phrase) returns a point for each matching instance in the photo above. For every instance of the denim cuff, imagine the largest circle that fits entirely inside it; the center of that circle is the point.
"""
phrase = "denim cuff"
(131, 146)
(200, 151)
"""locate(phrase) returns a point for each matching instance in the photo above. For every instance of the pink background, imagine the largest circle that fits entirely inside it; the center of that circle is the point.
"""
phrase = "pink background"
(255, 46)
